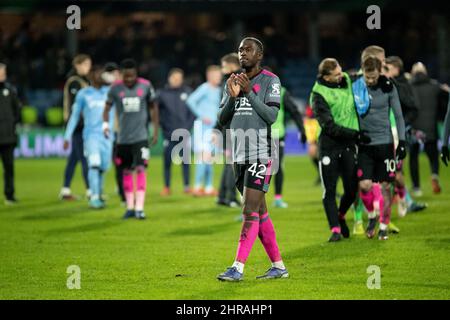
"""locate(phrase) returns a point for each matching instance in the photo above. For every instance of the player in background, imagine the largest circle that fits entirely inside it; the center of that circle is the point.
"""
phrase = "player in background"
(250, 104)
(227, 192)
(394, 70)
(90, 102)
(174, 114)
(334, 108)
(111, 75)
(133, 99)
(445, 156)
(287, 106)
(77, 80)
(374, 96)
(312, 131)
(432, 103)
(204, 103)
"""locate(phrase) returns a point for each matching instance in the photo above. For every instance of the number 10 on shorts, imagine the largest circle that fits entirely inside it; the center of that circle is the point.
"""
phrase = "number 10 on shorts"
(390, 165)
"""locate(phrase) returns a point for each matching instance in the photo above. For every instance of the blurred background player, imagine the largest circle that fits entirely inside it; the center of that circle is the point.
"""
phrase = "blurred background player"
(374, 96)
(111, 75)
(90, 103)
(204, 103)
(227, 192)
(445, 156)
(250, 102)
(10, 117)
(430, 100)
(133, 99)
(334, 108)
(174, 114)
(287, 106)
(312, 131)
(76, 81)
(394, 69)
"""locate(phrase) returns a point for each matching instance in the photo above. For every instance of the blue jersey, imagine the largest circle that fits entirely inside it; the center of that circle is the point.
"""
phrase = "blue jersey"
(89, 102)
(204, 102)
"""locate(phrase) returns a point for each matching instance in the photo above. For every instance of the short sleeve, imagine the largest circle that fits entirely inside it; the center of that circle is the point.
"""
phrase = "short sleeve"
(151, 97)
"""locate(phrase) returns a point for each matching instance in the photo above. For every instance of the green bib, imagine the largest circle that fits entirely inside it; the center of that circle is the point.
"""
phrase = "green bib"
(341, 103)
(278, 128)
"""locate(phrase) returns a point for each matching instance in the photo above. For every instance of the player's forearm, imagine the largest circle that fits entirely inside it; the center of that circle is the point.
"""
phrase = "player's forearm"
(226, 111)
(70, 127)
(267, 113)
(106, 112)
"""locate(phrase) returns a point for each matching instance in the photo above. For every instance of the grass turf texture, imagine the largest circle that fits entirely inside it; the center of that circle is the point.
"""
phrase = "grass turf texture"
(185, 242)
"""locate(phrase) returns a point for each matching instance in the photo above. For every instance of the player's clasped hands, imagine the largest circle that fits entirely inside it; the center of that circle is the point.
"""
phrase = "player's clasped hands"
(238, 82)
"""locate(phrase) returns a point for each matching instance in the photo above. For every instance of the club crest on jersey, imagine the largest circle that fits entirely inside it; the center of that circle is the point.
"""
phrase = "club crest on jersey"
(276, 89)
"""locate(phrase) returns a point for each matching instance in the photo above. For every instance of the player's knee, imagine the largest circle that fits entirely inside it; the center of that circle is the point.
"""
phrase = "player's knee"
(365, 185)
(140, 169)
(249, 209)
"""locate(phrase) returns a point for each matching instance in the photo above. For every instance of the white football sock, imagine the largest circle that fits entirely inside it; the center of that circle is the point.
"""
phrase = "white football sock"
(279, 265)
(239, 266)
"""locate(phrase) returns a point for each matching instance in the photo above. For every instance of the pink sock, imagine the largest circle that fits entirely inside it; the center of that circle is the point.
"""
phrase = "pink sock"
(378, 196)
(278, 197)
(401, 191)
(141, 180)
(336, 229)
(385, 208)
(268, 237)
(249, 232)
(128, 189)
(367, 199)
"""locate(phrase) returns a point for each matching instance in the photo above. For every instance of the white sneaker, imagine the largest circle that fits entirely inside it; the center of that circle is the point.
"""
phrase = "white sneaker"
(417, 192)
(402, 207)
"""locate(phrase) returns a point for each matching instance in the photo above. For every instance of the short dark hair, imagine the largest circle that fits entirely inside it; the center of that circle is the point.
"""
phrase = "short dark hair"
(396, 62)
(111, 66)
(256, 41)
(175, 70)
(326, 66)
(231, 58)
(371, 63)
(128, 64)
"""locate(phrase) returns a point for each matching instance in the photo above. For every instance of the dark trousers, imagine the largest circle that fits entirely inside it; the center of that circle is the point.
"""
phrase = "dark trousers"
(279, 177)
(118, 173)
(7, 155)
(76, 154)
(227, 190)
(335, 163)
(168, 147)
(431, 150)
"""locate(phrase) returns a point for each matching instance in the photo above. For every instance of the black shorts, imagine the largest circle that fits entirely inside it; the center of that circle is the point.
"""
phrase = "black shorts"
(377, 163)
(130, 156)
(253, 175)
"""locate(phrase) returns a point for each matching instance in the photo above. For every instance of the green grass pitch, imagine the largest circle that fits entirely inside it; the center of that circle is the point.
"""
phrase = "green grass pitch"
(185, 242)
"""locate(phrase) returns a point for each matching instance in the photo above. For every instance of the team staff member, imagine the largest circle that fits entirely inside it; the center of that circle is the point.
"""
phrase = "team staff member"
(334, 108)
(9, 117)
(174, 114)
